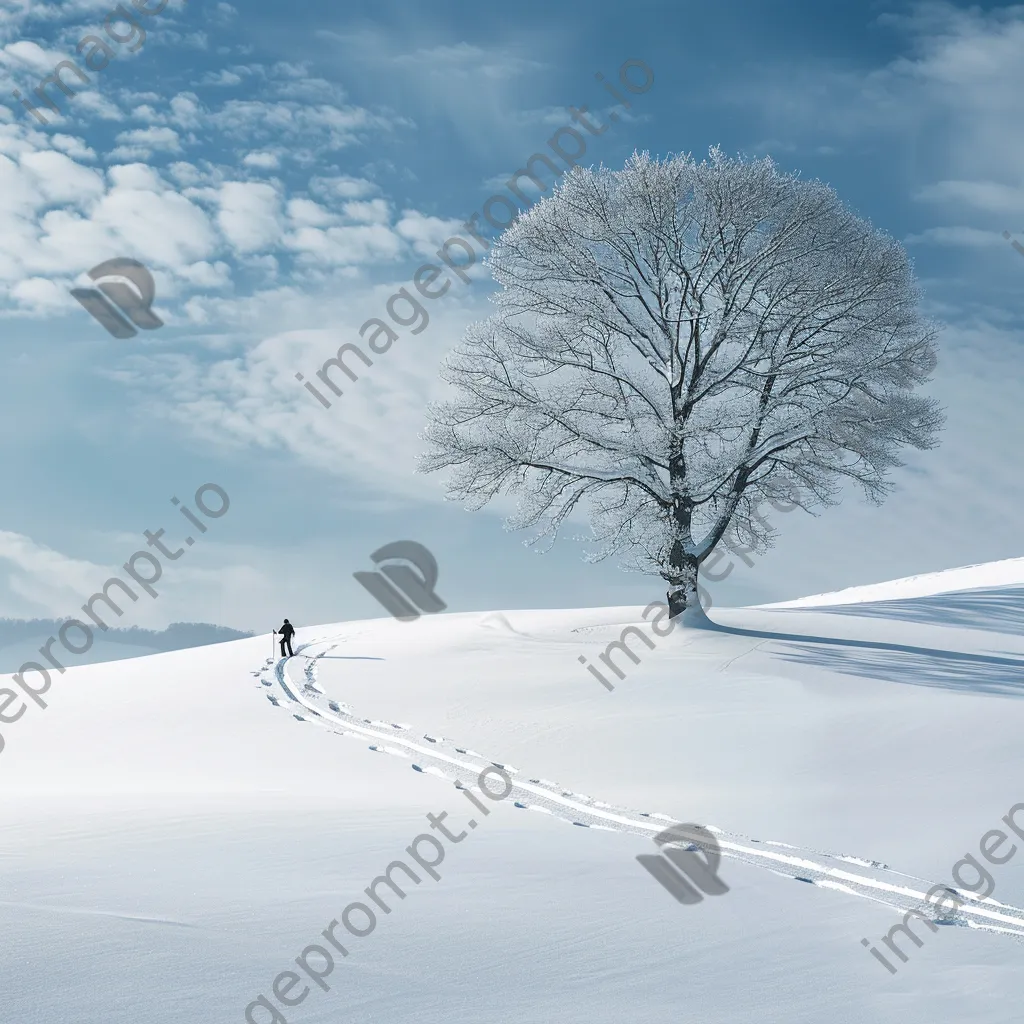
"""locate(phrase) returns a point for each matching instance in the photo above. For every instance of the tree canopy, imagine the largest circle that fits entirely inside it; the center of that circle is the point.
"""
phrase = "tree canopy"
(676, 343)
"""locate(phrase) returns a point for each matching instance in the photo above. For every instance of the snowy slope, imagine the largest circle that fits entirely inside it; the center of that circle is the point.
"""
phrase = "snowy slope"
(177, 829)
(990, 575)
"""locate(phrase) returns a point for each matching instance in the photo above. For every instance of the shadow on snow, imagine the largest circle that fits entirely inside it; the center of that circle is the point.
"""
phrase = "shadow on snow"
(898, 663)
(1000, 609)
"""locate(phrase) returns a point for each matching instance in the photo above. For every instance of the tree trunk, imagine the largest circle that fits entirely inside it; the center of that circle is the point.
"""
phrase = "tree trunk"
(684, 601)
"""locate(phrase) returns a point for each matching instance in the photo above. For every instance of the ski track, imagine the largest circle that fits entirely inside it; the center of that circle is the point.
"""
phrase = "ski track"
(431, 757)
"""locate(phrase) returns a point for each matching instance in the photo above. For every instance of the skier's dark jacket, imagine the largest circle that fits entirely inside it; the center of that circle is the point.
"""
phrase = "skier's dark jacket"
(287, 631)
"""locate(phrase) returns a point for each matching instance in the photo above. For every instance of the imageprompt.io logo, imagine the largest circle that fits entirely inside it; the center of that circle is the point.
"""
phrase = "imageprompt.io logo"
(670, 867)
(112, 297)
(404, 593)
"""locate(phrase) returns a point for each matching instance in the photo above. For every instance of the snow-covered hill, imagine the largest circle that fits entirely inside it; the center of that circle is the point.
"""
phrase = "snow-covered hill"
(988, 576)
(179, 829)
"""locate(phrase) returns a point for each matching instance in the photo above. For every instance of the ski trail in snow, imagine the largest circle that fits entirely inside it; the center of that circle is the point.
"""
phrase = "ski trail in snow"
(826, 870)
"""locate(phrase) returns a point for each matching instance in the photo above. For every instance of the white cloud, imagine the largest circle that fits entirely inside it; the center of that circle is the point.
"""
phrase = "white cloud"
(987, 196)
(306, 213)
(205, 275)
(186, 111)
(27, 54)
(264, 161)
(160, 225)
(56, 585)
(221, 78)
(141, 143)
(194, 221)
(74, 147)
(426, 234)
(250, 215)
(97, 104)
(370, 436)
(347, 244)
(61, 180)
(374, 211)
(44, 577)
(40, 295)
(964, 74)
(322, 125)
(224, 13)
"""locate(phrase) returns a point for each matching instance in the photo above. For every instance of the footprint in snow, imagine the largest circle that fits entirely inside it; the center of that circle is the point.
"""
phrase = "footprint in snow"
(856, 860)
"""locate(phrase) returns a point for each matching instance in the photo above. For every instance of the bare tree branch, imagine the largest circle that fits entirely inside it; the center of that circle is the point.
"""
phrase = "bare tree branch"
(676, 343)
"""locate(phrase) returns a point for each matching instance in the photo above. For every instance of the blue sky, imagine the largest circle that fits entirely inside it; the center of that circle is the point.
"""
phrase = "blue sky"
(283, 168)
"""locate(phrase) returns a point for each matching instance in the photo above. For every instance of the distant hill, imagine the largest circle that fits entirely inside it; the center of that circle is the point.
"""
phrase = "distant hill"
(20, 640)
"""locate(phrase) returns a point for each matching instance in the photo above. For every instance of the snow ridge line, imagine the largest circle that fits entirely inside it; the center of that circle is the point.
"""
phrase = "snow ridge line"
(900, 897)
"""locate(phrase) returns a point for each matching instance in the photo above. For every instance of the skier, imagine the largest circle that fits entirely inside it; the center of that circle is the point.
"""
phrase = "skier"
(287, 631)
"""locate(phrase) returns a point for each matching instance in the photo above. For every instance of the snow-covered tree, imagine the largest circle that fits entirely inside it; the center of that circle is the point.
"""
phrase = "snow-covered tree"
(677, 343)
